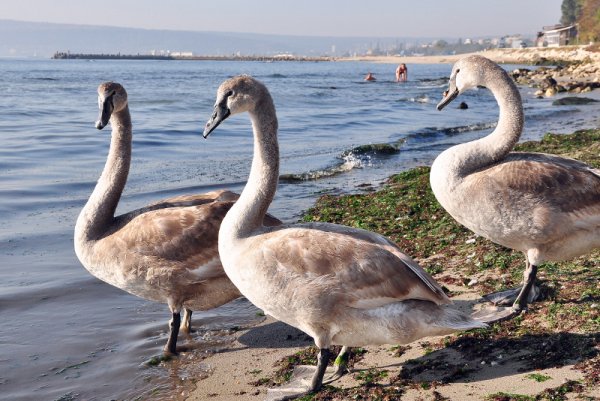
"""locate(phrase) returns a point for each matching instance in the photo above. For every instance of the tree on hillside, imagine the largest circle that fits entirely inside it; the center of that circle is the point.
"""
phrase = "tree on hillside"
(589, 21)
(571, 10)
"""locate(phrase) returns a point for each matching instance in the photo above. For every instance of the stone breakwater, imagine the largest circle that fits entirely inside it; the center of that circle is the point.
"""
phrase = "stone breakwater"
(579, 77)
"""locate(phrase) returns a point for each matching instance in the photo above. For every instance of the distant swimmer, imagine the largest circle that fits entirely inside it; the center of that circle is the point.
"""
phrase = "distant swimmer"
(401, 73)
(370, 77)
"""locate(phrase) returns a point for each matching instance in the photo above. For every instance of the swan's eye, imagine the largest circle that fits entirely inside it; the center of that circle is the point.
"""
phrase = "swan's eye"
(229, 93)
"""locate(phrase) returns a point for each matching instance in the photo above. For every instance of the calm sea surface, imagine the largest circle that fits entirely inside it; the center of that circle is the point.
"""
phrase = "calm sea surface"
(66, 335)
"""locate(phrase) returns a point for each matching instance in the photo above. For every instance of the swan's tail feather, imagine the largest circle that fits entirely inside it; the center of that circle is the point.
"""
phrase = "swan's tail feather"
(455, 319)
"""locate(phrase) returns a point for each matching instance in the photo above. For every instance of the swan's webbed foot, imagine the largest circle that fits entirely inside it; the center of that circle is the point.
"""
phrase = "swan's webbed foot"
(340, 364)
(496, 314)
(519, 298)
(508, 297)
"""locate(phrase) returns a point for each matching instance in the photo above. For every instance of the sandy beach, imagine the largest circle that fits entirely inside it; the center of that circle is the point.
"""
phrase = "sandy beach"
(256, 352)
(504, 365)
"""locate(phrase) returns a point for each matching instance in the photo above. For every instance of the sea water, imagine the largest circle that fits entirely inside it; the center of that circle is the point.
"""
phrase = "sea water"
(66, 335)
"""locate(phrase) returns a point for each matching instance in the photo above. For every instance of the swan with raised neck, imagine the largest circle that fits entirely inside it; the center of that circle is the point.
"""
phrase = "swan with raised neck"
(341, 285)
(165, 252)
(546, 206)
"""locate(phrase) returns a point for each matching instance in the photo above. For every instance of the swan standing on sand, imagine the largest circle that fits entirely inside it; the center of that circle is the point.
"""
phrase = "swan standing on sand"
(165, 252)
(546, 206)
(341, 285)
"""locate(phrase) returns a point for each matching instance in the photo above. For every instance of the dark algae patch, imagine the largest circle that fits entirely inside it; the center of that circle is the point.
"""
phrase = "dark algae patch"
(563, 328)
(375, 148)
(573, 101)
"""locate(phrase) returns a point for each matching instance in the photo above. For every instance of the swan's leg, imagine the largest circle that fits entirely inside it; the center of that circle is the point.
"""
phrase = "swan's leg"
(341, 365)
(171, 346)
(528, 284)
(528, 292)
(317, 379)
(186, 323)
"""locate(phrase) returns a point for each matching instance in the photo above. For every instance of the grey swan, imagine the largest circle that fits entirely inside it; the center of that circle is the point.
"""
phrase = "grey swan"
(165, 252)
(546, 206)
(340, 285)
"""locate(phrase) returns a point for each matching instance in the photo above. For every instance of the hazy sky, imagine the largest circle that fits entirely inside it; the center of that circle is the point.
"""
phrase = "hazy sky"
(377, 18)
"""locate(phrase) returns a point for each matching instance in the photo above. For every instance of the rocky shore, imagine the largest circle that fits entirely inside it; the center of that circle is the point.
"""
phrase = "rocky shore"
(578, 77)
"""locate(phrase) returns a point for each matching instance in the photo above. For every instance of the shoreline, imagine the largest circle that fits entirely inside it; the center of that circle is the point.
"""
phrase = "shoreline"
(529, 56)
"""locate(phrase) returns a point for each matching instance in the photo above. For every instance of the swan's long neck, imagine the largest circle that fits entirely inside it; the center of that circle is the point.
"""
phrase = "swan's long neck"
(466, 158)
(99, 211)
(248, 212)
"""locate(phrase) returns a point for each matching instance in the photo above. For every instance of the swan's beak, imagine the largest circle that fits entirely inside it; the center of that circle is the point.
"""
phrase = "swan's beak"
(449, 95)
(220, 113)
(105, 112)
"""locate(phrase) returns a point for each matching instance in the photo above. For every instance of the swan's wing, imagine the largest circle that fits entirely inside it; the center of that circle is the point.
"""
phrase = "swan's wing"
(179, 233)
(193, 200)
(363, 269)
(198, 200)
(185, 237)
(564, 184)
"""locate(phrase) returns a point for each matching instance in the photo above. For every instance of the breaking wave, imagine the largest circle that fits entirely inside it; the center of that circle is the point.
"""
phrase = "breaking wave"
(357, 157)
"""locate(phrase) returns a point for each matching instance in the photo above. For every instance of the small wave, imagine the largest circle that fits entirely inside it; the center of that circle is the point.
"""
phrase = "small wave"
(420, 99)
(357, 157)
(432, 131)
(44, 79)
(321, 87)
(349, 163)
(434, 81)
(416, 99)
(276, 75)
(469, 128)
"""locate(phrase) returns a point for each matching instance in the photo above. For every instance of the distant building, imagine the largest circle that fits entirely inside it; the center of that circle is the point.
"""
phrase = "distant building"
(182, 54)
(518, 44)
(557, 35)
(513, 41)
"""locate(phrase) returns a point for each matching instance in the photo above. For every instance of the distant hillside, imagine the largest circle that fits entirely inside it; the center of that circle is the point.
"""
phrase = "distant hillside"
(589, 21)
(27, 39)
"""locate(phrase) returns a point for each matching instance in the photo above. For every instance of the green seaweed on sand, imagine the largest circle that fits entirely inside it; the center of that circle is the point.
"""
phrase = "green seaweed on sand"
(156, 360)
(370, 376)
(538, 377)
